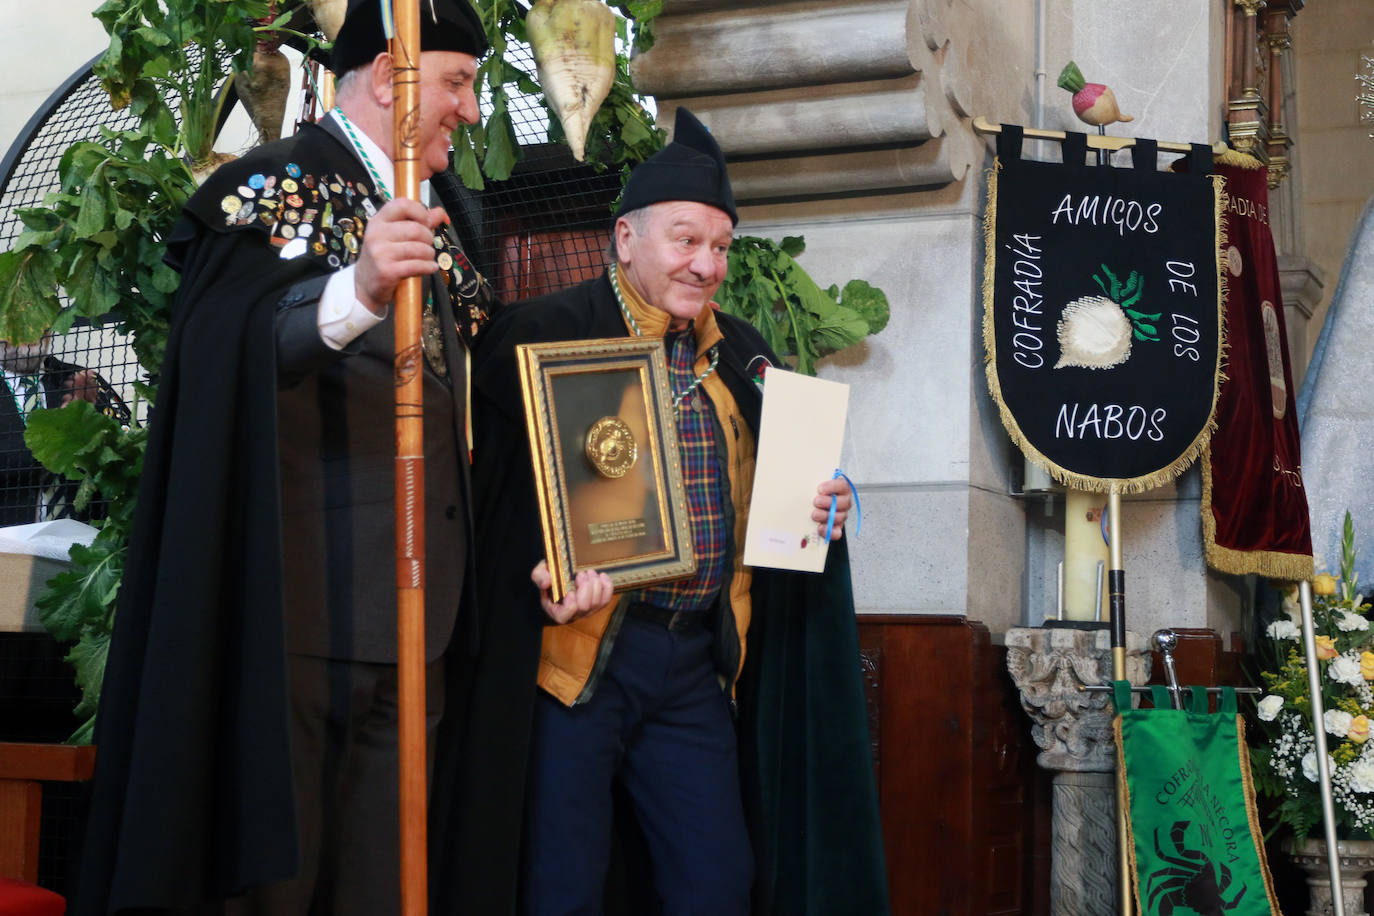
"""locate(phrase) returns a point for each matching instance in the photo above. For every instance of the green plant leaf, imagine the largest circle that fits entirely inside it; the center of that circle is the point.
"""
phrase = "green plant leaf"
(869, 301)
(28, 295)
(90, 219)
(82, 595)
(88, 658)
(502, 145)
(465, 160)
(844, 328)
(64, 439)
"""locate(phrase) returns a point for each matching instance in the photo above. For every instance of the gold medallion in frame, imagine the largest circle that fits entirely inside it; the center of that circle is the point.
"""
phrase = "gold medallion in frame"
(603, 442)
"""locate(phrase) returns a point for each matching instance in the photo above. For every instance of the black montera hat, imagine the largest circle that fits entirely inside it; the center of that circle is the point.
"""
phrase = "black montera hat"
(445, 25)
(692, 167)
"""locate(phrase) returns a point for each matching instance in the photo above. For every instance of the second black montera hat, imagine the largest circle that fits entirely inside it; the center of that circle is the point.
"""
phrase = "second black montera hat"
(692, 167)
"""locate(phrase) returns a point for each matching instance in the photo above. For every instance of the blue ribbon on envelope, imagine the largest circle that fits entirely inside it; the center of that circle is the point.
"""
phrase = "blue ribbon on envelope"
(858, 509)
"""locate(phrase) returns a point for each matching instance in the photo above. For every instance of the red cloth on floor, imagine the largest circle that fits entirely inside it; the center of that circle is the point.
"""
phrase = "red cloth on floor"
(19, 898)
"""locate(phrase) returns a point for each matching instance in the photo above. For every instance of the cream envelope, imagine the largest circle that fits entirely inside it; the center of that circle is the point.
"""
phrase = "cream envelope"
(800, 436)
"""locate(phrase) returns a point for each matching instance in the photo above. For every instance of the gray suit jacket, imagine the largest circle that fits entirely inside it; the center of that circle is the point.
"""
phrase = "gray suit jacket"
(336, 433)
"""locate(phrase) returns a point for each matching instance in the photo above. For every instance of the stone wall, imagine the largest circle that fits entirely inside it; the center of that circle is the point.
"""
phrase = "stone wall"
(1334, 152)
(42, 44)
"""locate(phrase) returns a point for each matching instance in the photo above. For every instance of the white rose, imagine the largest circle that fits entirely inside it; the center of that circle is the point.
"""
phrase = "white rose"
(1309, 765)
(1337, 721)
(1283, 629)
(1362, 775)
(1345, 669)
(1269, 707)
(1350, 622)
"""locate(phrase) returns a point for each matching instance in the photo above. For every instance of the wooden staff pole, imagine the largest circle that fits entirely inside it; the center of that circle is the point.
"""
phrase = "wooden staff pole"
(410, 480)
(1116, 592)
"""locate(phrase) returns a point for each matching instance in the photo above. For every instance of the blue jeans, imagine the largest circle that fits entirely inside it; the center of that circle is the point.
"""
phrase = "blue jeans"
(659, 722)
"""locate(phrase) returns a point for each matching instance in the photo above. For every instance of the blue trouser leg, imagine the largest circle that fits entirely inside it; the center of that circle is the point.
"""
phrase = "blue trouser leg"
(658, 721)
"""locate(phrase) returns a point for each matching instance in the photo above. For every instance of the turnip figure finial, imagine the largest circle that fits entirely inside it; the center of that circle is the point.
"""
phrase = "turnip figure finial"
(1094, 103)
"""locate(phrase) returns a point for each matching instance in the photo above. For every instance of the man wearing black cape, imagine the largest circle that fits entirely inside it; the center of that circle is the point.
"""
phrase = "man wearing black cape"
(776, 811)
(247, 731)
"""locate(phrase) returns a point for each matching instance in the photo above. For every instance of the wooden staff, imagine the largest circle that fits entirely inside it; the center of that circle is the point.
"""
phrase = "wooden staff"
(1116, 591)
(410, 479)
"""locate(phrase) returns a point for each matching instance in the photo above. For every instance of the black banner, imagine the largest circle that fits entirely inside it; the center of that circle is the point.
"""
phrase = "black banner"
(1102, 321)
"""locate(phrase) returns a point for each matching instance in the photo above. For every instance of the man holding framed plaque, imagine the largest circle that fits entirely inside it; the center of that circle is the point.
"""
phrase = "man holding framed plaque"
(749, 774)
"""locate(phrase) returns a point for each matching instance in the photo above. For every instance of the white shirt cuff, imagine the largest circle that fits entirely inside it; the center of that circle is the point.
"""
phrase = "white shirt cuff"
(341, 318)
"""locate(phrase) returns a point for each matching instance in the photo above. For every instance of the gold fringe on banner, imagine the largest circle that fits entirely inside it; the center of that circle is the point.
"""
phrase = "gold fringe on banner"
(1063, 475)
(1251, 812)
(1271, 563)
(1236, 159)
(1123, 804)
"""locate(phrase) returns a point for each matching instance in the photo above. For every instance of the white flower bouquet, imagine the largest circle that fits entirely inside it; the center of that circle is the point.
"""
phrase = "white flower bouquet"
(1285, 766)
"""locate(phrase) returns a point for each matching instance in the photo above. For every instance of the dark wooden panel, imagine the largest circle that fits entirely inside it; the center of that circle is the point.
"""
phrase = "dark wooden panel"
(1200, 659)
(961, 799)
(21, 805)
(49, 762)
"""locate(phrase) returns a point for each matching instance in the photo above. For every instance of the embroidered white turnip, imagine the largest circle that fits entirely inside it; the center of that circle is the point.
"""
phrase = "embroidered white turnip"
(1095, 332)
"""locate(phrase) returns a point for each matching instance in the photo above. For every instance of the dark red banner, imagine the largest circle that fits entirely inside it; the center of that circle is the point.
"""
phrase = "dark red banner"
(1254, 504)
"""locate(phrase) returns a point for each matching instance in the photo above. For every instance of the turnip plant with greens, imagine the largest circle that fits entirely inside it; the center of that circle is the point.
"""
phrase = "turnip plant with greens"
(799, 320)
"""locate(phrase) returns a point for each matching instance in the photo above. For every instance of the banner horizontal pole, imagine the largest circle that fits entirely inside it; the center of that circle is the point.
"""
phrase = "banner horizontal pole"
(1098, 688)
(1095, 141)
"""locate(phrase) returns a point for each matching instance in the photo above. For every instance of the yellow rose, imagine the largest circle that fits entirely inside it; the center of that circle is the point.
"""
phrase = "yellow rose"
(1324, 584)
(1326, 647)
(1359, 730)
(1367, 665)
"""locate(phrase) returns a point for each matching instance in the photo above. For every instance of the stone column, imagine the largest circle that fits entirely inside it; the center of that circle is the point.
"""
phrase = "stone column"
(1073, 728)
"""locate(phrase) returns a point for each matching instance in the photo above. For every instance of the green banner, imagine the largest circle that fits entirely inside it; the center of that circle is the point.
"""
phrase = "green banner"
(1196, 843)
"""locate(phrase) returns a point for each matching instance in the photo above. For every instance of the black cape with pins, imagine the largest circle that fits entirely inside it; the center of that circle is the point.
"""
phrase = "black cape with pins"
(193, 799)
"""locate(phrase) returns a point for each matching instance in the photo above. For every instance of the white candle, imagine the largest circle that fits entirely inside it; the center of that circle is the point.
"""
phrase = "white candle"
(1084, 546)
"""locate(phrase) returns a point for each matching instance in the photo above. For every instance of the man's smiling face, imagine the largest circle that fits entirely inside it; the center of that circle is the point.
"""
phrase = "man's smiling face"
(447, 98)
(678, 259)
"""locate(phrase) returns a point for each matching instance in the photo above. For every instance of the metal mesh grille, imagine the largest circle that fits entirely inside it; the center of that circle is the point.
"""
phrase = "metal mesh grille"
(547, 226)
(75, 112)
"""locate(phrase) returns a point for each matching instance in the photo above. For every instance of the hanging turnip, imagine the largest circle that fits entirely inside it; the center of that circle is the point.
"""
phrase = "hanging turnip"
(574, 48)
(264, 91)
(329, 15)
(1094, 103)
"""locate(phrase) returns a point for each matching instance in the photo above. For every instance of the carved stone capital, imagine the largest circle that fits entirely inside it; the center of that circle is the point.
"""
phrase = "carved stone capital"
(1073, 727)
(1278, 170)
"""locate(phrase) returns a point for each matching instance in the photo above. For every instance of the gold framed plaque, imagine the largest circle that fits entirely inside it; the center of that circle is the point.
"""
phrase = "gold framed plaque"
(604, 446)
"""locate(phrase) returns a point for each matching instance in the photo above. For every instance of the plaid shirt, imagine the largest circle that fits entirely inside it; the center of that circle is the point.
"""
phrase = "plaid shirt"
(702, 479)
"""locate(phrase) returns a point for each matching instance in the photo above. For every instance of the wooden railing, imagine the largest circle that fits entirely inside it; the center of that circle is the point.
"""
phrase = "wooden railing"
(23, 770)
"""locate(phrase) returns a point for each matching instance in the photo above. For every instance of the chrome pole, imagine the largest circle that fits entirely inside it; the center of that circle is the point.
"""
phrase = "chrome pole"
(1314, 686)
